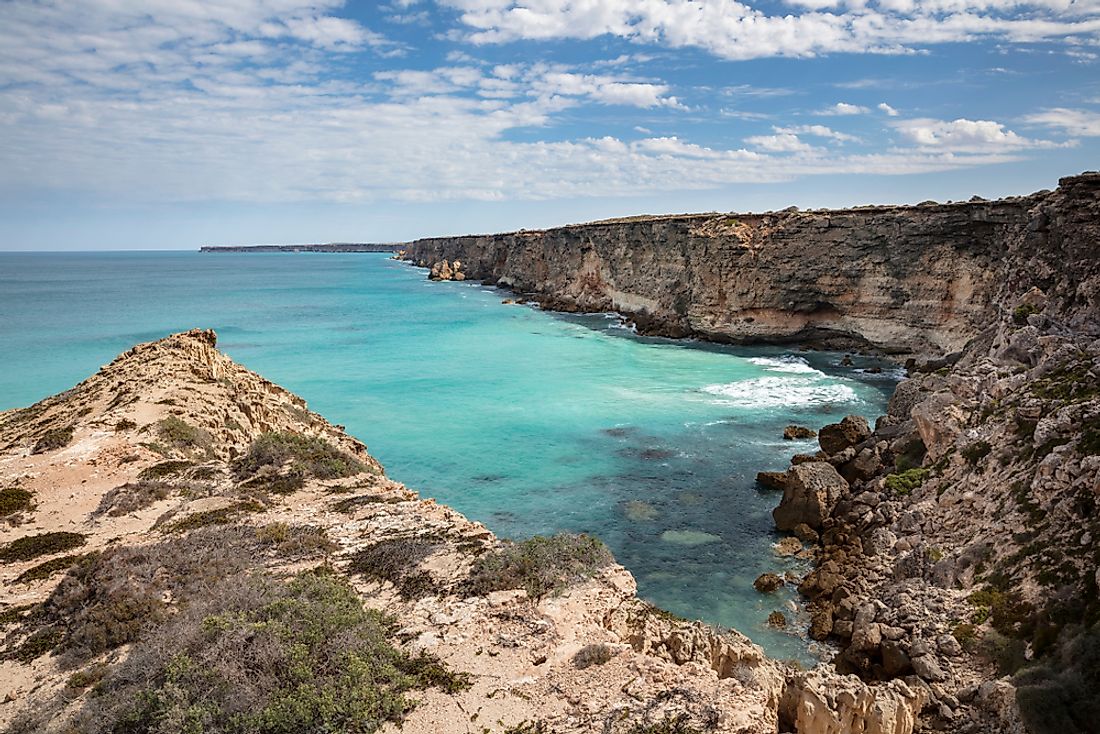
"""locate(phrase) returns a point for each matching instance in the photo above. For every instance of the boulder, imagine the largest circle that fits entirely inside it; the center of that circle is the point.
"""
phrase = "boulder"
(772, 479)
(895, 662)
(794, 433)
(809, 495)
(821, 701)
(865, 465)
(836, 437)
(766, 583)
(805, 533)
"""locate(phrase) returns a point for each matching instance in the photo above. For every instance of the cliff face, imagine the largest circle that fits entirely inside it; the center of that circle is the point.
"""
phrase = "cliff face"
(902, 279)
(187, 547)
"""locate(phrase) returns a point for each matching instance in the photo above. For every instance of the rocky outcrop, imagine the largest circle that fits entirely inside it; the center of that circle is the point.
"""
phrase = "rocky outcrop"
(904, 279)
(810, 491)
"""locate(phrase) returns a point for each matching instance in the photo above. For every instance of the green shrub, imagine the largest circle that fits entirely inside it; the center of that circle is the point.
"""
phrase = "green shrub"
(32, 546)
(175, 433)
(966, 634)
(53, 439)
(589, 655)
(540, 565)
(678, 724)
(1061, 695)
(47, 569)
(218, 516)
(905, 482)
(13, 500)
(294, 541)
(125, 424)
(307, 455)
(395, 560)
(133, 496)
(1021, 312)
(529, 727)
(264, 657)
(165, 469)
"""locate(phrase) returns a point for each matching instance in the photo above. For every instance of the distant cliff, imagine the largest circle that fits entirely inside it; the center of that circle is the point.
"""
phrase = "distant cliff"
(330, 247)
(903, 279)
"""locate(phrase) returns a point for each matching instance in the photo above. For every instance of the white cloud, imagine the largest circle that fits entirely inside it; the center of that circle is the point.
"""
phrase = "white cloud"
(965, 135)
(820, 131)
(736, 30)
(783, 142)
(890, 111)
(843, 108)
(1073, 122)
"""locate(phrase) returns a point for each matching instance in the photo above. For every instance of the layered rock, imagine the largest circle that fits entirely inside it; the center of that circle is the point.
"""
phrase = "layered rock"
(905, 279)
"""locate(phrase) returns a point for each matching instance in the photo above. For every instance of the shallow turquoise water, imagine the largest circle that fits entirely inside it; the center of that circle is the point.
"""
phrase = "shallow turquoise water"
(531, 422)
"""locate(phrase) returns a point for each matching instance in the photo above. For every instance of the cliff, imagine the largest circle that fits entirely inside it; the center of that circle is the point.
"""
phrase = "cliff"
(903, 279)
(956, 543)
(188, 548)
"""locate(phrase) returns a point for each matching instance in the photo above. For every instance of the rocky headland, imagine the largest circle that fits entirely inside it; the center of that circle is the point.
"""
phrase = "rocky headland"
(187, 547)
(957, 540)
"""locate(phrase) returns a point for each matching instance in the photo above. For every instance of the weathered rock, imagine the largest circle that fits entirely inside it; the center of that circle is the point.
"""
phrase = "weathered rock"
(836, 437)
(766, 583)
(788, 546)
(895, 662)
(812, 490)
(772, 479)
(819, 702)
(821, 620)
(792, 433)
(805, 533)
(777, 619)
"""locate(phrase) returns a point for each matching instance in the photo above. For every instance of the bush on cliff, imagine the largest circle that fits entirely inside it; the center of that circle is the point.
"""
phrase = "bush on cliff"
(1061, 695)
(905, 482)
(53, 439)
(540, 565)
(264, 656)
(300, 455)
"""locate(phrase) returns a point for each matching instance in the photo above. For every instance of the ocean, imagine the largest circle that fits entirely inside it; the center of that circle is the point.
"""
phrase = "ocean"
(531, 422)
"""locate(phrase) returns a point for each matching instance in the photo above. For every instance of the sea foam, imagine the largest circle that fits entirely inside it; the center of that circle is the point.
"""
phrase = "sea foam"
(774, 392)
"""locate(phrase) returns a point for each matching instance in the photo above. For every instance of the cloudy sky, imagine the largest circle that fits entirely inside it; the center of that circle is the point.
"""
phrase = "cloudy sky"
(175, 123)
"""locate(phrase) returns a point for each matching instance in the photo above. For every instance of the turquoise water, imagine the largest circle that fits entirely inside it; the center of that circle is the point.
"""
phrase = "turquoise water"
(528, 421)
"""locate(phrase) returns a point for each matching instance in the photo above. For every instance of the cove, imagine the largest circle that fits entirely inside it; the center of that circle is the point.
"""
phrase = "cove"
(528, 421)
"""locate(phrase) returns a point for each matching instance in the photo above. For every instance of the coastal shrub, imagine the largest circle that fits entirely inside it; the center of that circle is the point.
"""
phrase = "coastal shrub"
(349, 505)
(48, 568)
(176, 433)
(53, 439)
(14, 500)
(539, 565)
(267, 657)
(529, 727)
(678, 724)
(125, 424)
(905, 482)
(32, 546)
(133, 496)
(1021, 312)
(165, 469)
(217, 516)
(976, 451)
(276, 483)
(595, 654)
(966, 634)
(306, 455)
(395, 560)
(13, 614)
(294, 541)
(1061, 694)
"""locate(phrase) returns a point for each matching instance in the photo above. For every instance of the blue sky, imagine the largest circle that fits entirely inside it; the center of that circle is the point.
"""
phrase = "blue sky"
(175, 123)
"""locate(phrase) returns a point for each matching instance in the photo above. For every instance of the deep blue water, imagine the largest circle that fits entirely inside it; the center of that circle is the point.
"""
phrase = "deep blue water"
(528, 421)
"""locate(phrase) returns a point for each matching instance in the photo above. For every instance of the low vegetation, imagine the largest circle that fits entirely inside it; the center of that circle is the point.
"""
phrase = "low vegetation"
(907, 481)
(976, 451)
(33, 546)
(301, 455)
(595, 654)
(217, 516)
(14, 500)
(395, 560)
(169, 468)
(540, 565)
(265, 656)
(176, 433)
(133, 496)
(53, 439)
(48, 568)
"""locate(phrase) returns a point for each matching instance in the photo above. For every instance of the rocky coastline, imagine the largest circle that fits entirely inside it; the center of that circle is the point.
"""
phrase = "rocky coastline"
(183, 539)
(956, 540)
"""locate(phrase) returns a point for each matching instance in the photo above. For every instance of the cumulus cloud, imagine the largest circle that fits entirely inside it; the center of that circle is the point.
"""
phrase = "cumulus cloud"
(843, 108)
(820, 131)
(887, 109)
(965, 135)
(736, 30)
(782, 142)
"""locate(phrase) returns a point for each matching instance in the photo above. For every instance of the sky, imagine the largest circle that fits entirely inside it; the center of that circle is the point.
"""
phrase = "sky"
(171, 124)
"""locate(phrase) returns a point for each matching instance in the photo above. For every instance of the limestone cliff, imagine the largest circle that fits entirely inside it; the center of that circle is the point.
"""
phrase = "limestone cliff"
(173, 519)
(904, 279)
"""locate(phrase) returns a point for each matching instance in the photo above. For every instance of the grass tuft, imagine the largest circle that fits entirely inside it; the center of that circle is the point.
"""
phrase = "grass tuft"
(540, 565)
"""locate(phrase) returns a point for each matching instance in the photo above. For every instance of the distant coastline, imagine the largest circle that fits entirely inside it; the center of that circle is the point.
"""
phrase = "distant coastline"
(329, 247)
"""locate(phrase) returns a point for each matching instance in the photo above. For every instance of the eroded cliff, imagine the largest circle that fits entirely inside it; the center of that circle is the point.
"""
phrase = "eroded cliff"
(904, 279)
